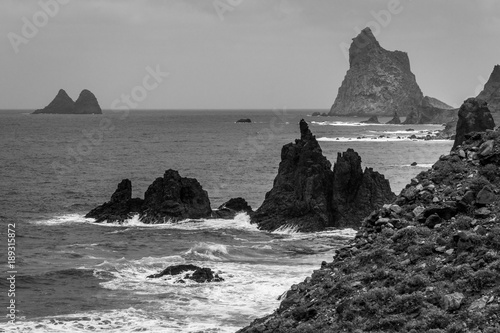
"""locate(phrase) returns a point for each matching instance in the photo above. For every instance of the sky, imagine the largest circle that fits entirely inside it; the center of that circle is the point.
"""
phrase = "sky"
(233, 54)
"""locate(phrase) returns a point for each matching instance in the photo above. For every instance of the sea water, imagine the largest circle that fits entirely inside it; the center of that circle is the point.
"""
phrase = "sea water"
(73, 274)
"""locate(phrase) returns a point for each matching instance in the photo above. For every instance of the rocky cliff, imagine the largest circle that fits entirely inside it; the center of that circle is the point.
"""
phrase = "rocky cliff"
(427, 262)
(63, 104)
(378, 81)
(473, 116)
(308, 196)
(491, 91)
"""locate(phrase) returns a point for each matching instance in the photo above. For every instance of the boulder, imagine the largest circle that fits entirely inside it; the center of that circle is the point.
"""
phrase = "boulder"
(229, 209)
(371, 120)
(473, 116)
(200, 274)
(316, 114)
(378, 81)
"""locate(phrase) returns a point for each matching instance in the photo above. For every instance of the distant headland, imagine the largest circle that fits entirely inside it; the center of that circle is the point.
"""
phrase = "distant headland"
(63, 104)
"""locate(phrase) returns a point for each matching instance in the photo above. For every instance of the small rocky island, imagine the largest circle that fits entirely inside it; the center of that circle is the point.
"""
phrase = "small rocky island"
(427, 261)
(63, 104)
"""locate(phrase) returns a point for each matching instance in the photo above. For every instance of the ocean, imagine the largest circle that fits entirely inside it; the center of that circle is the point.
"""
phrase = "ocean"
(74, 275)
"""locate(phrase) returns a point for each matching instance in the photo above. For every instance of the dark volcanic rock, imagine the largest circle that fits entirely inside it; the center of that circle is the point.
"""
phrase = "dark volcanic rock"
(427, 114)
(436, 103)
(61, 104)
(395, 120)
(200, 274)
(87, 103)
(171, 198)
(491, 91)
(371, 120)
(316, 114)
(378, 81)
(308, 196)
(356, 193)
(473, 116)
(175, 198)
(232, 207)
(120, 207)
(301, 193)
(244, 120)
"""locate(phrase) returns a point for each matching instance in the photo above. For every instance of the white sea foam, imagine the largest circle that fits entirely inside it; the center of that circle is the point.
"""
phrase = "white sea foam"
(211, 251)
(375, 139)
(63, 219)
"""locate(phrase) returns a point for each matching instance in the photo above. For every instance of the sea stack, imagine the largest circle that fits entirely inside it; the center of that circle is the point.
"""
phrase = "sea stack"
(491, 91)
(395, 119)
(473, 116)
(378, 82)
(63, 104)
(308, 196)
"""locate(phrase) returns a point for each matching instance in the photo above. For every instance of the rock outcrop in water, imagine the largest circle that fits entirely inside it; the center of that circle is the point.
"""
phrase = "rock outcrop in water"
(371, 120)
(63, 104)
(427, 262)
(308, 196)
(395, 119)
(378, 81)
(200, 274)
(168, 198)
(491, 91)
(473, 116)
(231, 208)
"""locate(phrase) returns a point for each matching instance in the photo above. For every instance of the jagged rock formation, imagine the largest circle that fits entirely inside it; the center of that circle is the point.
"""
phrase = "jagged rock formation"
(395, 120)
(371, 120)
(378, 81)
(430, 115)
(87, 103)
(473, 116)
(168, 198)
(428, 262)
(436, 103)
(308, 196)
(491, 91)
(229, 209)
(63, 104)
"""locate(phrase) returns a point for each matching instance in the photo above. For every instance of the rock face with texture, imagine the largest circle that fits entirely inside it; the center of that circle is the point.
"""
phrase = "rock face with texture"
(428, 262)
(491, 91)
(63, 104)
(229, 209)
(427, 114)
(473, 116)
(378, 81)
(308, 196)
(168, 198)
(87, 103)
(395, 120)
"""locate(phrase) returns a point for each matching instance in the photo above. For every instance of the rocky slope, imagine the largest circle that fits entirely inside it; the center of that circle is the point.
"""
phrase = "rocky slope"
(429, 261)
(308, 196)
(378, 81)
(434, 102)
(491, 91)
(63, 104)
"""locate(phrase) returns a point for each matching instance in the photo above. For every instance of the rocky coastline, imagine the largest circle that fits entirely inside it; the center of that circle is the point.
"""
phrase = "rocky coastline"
(427, 261)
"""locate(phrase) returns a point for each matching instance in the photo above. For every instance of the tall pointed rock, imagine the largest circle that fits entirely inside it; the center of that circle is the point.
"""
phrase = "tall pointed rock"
(61, 104)
(378, 82)
(491, 91)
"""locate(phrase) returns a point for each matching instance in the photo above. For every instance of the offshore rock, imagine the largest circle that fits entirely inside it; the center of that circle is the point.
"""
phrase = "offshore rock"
(308, 196)
(87, 103)
(244, 120)
(302, 191)
(170, 198)
(395, 120)
(371, 120)
(231, 208)
(491, 91)
(356, 193)
(429, 113)
(378, 81)
(120, 207)
(63, 104)
(200, 274)
(473, 116)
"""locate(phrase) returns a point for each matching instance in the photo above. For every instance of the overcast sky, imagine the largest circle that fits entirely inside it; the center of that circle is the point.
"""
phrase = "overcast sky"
(234, 53)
